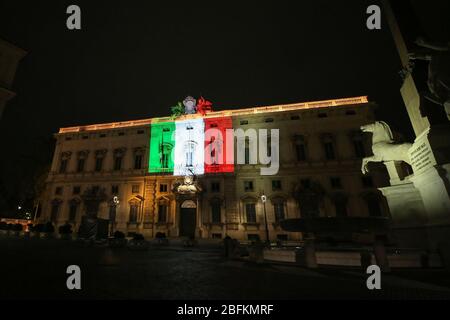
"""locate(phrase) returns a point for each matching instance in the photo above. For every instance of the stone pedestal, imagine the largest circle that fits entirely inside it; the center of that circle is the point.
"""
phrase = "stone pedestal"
(420, 203)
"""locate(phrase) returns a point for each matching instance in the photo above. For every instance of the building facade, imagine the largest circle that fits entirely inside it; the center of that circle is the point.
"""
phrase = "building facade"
(138, 171)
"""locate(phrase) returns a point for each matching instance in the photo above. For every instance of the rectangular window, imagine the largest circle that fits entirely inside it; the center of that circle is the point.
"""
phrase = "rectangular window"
(215, 212)
(76, 190)
(98, 164)
(163, 188)
(73, 211)
(54, 212)
(138, 162)
(278, 209)
(215, 187)
(135, 188)
(162, 213)
(253, 237)
(217, 236)
(115, 190)
(80, 165)
(276, 185)
(59, 191)
(250, 212)
(63, 166)
(165, 160)
(117, 163)
(247, 154)
(300, 151)
(336, 183)
(248, 186)
(306, 183)
(133, 213)
(329, 151)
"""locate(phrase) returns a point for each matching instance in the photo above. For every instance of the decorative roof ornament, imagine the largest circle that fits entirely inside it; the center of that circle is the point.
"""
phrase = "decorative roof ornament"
(190, 105)
(204, 106)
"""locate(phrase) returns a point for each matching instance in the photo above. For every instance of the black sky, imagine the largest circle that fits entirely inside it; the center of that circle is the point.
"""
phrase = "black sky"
(135, 59)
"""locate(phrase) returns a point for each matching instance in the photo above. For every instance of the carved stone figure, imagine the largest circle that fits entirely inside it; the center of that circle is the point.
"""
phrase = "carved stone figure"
(188, 186)
(383, 146)
(190, 105)
(438, 82)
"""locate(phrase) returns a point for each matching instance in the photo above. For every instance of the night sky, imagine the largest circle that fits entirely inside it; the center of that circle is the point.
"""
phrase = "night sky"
(135, 59)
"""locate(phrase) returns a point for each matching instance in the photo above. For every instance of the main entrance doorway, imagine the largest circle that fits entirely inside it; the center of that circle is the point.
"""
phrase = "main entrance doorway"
(188, 219)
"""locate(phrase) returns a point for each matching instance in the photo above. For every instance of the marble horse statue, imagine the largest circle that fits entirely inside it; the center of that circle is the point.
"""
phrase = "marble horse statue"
(383, 146)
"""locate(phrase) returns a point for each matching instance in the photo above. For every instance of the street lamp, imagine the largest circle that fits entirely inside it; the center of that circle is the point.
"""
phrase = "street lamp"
(264, 200)
(112, 213)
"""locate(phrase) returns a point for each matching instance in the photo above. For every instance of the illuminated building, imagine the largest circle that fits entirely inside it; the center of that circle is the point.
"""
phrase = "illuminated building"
(143, 163)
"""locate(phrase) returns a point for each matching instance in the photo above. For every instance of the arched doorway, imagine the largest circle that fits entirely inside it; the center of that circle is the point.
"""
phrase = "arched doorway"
(188, 214)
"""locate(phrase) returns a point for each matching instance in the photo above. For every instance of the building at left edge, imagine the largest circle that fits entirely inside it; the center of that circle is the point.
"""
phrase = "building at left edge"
(10, 57)
(135, 169)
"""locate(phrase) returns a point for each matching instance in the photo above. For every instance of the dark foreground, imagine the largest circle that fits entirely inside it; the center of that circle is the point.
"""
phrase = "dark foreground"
(36, 269)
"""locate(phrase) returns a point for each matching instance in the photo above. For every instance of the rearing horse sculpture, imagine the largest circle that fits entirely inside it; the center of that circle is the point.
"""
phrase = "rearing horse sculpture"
(383, 146)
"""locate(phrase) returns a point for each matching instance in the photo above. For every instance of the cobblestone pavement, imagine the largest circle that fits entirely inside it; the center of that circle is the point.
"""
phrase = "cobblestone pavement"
(37, 269)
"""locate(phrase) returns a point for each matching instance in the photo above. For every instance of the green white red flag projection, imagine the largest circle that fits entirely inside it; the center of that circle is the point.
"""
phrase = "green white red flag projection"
(195, 146)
